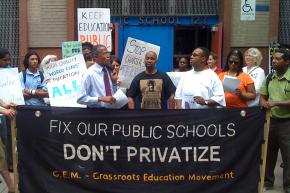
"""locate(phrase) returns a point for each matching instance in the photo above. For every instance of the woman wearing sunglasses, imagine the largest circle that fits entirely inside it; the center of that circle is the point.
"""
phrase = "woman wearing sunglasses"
(246, 89)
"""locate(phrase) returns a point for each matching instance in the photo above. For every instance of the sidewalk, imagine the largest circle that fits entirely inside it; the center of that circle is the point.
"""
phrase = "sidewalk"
(3, 186)
(278, 187)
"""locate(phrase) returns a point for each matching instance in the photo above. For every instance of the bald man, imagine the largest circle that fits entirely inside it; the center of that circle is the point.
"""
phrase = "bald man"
(151, 89)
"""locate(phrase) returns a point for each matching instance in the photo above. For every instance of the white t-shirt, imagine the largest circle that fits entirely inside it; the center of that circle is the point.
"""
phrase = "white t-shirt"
(204, 83)
(258, 75)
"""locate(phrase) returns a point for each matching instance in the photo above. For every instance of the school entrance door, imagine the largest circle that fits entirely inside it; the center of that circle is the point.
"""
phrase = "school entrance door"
(159, 35)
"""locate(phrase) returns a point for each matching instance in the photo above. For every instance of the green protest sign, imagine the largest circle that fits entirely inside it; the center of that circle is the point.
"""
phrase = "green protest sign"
(71, 48)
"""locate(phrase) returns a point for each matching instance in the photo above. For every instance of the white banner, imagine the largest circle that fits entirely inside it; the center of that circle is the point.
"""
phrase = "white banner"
(94, 26)
(248, 10)
(10, 87)
(133, 60)
(65, 78)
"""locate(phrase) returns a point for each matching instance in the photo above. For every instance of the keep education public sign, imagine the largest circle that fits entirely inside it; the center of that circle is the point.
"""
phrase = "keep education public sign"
(94, 26)
(74, 150)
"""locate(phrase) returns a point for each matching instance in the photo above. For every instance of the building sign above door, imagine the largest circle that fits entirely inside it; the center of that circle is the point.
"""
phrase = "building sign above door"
(166, 20)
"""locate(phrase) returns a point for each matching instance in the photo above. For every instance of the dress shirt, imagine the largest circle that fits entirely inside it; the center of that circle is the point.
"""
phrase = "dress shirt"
(93, 87)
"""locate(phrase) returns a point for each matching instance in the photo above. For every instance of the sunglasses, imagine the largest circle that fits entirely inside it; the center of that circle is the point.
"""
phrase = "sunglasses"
(233, 62)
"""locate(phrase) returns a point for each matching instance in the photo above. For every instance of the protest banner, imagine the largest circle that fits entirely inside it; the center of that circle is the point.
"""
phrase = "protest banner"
(94, 26)
(71, 48)
(10, 86)
(133, 60)
(65, 78)
(115, 151)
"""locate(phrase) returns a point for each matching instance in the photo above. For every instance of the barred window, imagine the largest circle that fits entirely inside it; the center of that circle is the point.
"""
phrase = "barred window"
(284, 23)
(9, 30)
(154, 7)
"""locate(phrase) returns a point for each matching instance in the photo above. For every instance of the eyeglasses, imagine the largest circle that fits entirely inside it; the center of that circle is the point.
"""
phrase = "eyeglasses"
(233, 62)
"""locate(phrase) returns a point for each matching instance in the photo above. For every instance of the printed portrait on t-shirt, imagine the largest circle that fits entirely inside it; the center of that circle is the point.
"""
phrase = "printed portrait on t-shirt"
(151, 93)
(151, 85)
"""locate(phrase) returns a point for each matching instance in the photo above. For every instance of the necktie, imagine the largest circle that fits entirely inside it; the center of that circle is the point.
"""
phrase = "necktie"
(107, 83)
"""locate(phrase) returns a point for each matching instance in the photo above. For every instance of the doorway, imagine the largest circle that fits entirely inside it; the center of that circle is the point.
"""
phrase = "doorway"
(159, 35)
(187, 38)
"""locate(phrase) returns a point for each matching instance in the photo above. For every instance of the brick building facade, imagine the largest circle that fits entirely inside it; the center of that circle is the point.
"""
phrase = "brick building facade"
(43, 25)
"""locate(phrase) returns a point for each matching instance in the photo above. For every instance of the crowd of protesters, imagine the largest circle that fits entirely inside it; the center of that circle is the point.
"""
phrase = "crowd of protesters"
(201, 86)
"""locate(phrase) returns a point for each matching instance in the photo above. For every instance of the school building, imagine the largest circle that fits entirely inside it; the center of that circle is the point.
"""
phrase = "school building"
(177, 26)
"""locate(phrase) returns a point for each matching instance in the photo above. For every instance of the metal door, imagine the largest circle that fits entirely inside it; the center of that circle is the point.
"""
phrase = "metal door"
(158, 35)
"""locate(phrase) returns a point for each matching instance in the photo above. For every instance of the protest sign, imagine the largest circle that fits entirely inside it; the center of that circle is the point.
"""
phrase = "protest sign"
(175, 77)
(65, 78)
(98, 150)
(94, 26)
(133, 60)
(71, 48)
(10, 86)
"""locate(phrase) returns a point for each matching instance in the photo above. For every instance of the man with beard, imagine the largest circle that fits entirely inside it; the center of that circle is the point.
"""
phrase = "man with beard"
(151, 89)
(275, 96)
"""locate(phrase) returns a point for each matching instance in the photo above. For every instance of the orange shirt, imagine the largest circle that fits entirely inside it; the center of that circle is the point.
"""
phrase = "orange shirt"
(232, 100)
(218, 70)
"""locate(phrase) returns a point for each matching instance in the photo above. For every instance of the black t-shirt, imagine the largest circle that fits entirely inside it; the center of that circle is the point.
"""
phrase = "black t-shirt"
(151, 91)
